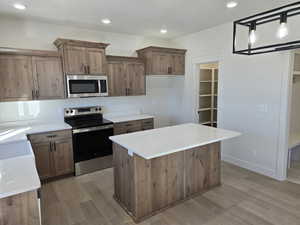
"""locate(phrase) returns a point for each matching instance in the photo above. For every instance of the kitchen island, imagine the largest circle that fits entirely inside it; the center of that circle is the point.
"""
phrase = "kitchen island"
(156, 169)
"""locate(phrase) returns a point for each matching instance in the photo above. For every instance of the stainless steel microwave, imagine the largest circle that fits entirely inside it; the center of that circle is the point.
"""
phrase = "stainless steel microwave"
(82, 86)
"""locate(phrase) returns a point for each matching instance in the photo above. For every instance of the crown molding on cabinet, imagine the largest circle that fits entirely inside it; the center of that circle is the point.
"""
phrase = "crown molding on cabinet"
(28, 52)
(60, 42)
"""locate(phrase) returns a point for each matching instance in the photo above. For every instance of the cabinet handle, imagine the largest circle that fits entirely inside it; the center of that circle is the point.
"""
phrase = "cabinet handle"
(52, 136)
(54, 145)
(88, 69)
(82, 68)
(50, 146)
(32, 94)
(169, 70)
(37, 93)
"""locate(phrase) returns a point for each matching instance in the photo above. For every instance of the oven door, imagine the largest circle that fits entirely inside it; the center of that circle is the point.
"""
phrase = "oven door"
(92, 148)
(80, 86)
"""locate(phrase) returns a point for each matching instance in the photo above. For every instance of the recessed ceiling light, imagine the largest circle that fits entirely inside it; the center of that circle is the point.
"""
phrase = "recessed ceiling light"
(106, 21)
(231, 4)
(163, 31)
(20, 6)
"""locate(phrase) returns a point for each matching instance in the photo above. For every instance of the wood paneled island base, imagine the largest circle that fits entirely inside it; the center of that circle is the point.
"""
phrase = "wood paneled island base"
(146, 187)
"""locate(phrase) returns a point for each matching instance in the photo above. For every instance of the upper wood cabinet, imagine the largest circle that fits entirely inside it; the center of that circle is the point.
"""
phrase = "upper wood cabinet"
(126, 76)
(49, 82)
(82, 57)
(30, 75)
(163, 61)
(16, 78)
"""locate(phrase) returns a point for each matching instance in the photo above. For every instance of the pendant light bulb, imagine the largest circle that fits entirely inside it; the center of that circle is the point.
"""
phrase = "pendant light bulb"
(283, 31)
(252, 35)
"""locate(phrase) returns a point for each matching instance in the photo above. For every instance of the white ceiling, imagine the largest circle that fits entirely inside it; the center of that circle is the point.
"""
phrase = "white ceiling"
(142, 17)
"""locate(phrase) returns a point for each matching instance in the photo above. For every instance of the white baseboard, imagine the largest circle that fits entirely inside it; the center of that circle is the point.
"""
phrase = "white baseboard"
(250, 166)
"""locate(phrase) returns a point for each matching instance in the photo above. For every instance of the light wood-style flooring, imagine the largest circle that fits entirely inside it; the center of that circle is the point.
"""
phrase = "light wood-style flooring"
(245, 198)
(294, 172)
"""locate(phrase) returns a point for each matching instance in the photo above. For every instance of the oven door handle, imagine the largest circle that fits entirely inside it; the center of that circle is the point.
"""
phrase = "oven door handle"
(89, 129)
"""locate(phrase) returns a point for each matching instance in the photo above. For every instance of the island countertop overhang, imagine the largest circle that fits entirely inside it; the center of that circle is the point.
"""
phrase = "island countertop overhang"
(167, 140)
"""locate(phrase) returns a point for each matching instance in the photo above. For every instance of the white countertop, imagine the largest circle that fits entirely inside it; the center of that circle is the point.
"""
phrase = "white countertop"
(17, 131)
(18, 173)
(124, 118)
(163, 141)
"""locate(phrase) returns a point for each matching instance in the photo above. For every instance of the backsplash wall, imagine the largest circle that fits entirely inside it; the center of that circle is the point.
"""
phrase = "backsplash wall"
(163, 95)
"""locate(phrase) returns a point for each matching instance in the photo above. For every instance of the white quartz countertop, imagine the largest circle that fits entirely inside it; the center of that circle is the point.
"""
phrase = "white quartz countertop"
(124, 118)
(17, 131)
(163, 141)
(18, 173)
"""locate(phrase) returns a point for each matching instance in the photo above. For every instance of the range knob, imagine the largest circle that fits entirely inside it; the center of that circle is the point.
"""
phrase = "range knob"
(67, 111)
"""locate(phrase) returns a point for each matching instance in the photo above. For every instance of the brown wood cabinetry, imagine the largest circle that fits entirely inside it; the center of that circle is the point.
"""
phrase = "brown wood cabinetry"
(163, 61)
(82, 57)
(16, 78)
(126, 76)
(146, 187)
(53, 153)
(30, 75)
(133, 126)
(20, 209)
(48, 75)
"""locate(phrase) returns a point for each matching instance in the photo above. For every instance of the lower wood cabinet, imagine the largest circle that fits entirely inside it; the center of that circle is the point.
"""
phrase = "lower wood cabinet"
(133, 126)
(53, 153)
(20, 209)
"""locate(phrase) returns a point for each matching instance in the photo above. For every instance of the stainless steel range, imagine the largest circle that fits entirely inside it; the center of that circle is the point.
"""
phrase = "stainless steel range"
(91, 145)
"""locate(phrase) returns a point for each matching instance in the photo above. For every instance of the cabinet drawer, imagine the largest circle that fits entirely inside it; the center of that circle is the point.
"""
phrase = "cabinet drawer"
(50, 136)
(127, 127)
(147, 122)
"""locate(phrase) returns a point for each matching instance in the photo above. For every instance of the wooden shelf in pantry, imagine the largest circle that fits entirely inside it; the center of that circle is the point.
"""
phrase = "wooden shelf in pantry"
(207, 81)
(204, 109)
(205, 95)
(207, 122)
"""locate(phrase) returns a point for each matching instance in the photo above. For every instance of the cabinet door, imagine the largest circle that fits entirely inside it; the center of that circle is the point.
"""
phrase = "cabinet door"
(16, 78)
(160, 63)
(96, 61)
(75, 60)
(42, 152)
(62, 155)
(117, 79)
(177, 64)
(135, 79)
(48, 77)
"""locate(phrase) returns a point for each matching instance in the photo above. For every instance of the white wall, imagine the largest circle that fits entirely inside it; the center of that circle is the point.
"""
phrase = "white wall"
(252, 98)
(163, 93)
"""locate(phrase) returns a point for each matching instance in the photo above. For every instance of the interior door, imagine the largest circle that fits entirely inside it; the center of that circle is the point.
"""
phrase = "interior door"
(16, 78)
(136, 78)
(62, 153)
(75, 60)
(42, 155)
(117, 79)
(49, 77)
(96, 61)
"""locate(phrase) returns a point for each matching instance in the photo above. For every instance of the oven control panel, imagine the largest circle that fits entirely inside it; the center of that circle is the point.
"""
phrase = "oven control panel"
(69, 112)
